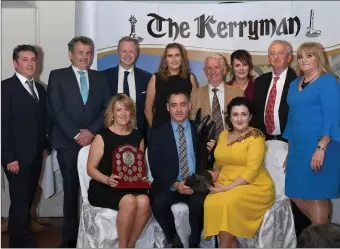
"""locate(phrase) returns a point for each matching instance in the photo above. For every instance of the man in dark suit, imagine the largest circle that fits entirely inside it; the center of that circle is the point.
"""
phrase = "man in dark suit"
(127, 78)
(271, 114)
(76, 101)
(172, 159)
(23, 139)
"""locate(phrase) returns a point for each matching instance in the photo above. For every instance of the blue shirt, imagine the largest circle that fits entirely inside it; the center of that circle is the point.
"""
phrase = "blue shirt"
(190, 148)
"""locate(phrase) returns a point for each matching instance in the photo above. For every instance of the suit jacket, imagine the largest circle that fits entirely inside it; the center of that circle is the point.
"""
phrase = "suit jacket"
(23, 122)
(262, 84)
(66, 109)
(142, 79)
(200, 99)
(163, 156)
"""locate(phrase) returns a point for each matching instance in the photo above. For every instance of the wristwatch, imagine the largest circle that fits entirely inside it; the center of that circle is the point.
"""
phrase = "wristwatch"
(321, 148)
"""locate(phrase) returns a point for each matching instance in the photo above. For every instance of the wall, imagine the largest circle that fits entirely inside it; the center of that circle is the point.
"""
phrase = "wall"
(50, 25)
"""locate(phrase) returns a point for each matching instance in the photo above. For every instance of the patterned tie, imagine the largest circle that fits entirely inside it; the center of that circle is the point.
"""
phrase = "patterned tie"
(217, 114)
(30, 84)
(269, 119)
(183, 160)
(84, 91)
(126, 84)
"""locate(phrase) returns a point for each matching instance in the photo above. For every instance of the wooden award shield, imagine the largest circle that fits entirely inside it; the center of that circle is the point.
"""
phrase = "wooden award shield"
(128, 162)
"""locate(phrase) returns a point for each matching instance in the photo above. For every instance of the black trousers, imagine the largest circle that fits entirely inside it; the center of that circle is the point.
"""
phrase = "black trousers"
(301, 221)
(161, 203)
(67, 159)
(22, 190)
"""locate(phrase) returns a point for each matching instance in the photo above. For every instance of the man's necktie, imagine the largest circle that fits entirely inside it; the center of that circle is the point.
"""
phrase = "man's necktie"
(84, 90)
(183, 160)
(217, 114)
(30, 84)
(126, 84)
(269, 115)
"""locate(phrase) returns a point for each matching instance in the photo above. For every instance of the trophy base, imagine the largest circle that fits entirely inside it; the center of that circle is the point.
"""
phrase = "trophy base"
(133, 185)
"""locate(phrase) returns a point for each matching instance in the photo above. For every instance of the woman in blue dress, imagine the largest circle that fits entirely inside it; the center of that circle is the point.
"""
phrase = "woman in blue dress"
(313, 132)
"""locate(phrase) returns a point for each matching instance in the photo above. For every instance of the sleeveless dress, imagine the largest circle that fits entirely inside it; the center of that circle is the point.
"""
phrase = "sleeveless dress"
(240, 210)
(100, 194)
(163, 88)
(313, 112)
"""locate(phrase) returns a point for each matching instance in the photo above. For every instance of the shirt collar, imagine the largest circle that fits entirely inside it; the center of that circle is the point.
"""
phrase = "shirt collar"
(220, 87)
(75, 69)
(185, 123)
(121, 69)
(282, 75)
(22, 78)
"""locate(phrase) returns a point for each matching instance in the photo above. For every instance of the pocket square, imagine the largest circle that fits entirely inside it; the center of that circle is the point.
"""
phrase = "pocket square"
(143, 92)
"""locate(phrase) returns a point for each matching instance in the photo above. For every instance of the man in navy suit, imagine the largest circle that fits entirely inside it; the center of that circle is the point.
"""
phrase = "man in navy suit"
(23, 139)
(76, 101)
(128, 79)
(172, 159)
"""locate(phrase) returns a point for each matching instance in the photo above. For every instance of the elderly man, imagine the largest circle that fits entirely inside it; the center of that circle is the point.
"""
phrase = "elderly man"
(127, 78)
(215, 96)
(271, 114)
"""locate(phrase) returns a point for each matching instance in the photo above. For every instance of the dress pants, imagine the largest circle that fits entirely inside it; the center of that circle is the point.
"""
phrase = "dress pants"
(161, 202)
(22, 190)
(67, 159)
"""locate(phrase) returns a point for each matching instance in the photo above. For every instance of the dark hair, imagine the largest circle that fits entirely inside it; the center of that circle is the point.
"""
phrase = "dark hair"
(129, 39)
(320, 236)
(184, 68)
(237, 101)
(83, 39)
(245, 57)
(21, 48)
(187, 96)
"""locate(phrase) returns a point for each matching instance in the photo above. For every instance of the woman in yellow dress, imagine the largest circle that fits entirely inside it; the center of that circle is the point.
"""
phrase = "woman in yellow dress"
(243, 190)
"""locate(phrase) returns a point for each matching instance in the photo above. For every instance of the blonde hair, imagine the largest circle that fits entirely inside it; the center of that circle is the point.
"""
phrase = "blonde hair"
(317, 50)
(184, 68)
(127, 102)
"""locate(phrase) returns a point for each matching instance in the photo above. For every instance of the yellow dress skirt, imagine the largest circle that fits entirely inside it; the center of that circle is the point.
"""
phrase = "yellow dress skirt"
(240, 210)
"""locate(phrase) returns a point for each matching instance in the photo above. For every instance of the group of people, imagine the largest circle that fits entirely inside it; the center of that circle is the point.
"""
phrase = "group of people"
(279, 119)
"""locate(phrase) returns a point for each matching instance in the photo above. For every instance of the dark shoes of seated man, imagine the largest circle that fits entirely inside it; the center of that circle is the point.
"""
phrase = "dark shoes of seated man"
(68, 244)
(177, 243)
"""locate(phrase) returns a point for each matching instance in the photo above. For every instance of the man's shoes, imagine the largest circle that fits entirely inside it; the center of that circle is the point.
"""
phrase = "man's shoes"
(193, 245)
(176, 242)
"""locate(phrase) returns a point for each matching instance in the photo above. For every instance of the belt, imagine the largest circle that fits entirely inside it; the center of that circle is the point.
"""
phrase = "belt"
(276, 137)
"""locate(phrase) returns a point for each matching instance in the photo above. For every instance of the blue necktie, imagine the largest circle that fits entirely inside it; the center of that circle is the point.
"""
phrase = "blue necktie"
(126, 84)
(84, 91)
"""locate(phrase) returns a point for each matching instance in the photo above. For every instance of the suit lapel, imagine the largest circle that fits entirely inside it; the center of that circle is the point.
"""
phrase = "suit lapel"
(138, 85)
(74, 86)
(91, 84)
(173, 146)
(206, 108)
(24, 90)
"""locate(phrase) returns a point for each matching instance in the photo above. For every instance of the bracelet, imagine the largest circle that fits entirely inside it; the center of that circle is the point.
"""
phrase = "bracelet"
(321, 148)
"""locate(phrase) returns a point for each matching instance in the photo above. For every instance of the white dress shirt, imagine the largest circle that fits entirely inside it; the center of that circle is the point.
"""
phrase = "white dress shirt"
(23, 82)
(279, 88)
(220, 97)
(78, 77)
(131, 81)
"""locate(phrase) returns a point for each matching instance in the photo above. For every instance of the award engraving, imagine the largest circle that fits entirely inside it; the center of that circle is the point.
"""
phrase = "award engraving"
(128, 162)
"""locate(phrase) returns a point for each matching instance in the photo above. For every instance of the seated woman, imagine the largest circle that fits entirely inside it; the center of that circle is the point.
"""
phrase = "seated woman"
(243, 189)
(133, 205)
(242, 66)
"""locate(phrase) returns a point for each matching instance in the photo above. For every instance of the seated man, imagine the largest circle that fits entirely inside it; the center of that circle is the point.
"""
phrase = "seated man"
(172, 160)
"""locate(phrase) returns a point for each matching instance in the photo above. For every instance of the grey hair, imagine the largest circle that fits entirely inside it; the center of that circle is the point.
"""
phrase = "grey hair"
(129, 39)
(218, 57)
(83, 39)
(284, 43)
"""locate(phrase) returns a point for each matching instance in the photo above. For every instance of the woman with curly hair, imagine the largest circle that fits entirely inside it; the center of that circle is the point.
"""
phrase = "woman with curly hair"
(174, 76)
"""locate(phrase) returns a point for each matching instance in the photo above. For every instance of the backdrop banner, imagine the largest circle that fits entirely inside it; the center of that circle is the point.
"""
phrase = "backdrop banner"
(208, 28)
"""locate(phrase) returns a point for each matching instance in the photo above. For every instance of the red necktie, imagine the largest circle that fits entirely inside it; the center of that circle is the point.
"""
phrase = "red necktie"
(269, 118)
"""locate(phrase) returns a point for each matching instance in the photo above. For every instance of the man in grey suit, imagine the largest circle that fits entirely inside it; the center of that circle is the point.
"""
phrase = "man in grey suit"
(76, 101)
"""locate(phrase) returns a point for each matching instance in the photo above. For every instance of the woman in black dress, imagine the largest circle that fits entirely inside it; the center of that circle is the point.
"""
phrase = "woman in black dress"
(174, 76)
(133, 205)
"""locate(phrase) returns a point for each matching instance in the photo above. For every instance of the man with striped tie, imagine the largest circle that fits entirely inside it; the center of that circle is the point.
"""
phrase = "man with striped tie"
(172, 159)
(76, 101)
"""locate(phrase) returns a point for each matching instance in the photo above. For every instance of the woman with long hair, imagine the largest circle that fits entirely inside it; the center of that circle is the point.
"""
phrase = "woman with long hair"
(174, 76)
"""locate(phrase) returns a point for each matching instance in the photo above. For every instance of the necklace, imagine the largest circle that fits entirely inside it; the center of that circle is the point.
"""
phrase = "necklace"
(306, 83)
